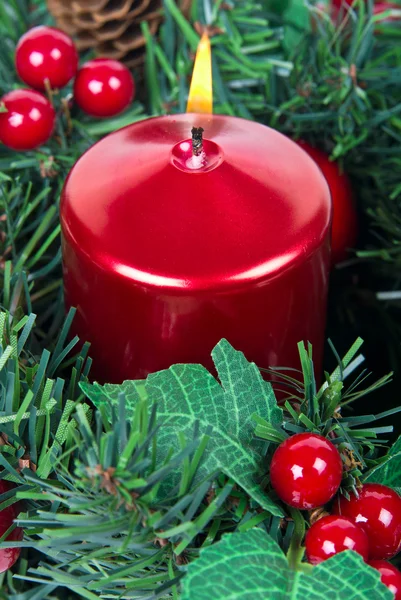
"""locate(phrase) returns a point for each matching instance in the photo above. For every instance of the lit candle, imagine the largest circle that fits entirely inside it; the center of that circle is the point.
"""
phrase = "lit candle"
(181, 230)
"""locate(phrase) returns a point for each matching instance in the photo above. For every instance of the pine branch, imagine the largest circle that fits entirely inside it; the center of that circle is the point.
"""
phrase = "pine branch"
(115, 535)
(36, 409)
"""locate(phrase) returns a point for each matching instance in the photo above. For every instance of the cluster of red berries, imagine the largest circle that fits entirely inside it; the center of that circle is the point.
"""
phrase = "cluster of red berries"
(378, 9)
(306, 472)
(8, 556)
(338, 10)
(46, 59)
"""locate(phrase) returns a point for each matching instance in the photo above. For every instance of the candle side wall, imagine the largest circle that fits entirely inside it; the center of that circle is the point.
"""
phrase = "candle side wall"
(135, 330)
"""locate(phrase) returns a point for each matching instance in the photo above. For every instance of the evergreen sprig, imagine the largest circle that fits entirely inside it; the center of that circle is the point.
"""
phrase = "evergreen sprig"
(36, 407)
(113, 535)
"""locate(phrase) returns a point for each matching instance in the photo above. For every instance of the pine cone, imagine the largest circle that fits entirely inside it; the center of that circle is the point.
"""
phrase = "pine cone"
(111, 27)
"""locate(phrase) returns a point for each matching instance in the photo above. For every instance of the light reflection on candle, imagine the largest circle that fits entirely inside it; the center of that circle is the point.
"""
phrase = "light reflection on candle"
(196, 161)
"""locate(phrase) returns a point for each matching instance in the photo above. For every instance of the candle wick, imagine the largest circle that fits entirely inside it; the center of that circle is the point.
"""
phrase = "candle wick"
(197, 140)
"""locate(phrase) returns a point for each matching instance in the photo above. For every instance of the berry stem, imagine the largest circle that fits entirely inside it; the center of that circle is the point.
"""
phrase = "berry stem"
(295, 555)
(316, 514)
(49, 91)
(305, 567)
(296, 551)
(67, 113)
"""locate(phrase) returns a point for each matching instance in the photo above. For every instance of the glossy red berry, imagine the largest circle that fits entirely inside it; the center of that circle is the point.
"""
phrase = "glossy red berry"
(378, 511)
(306, 470)
(7, 515)
(333, 534)
(8, 556)
(104, 87)
(340, 3)
(46, 53)
(345, 221)
(378, 7)
(29, 120)
(381, 7)
(390, 576)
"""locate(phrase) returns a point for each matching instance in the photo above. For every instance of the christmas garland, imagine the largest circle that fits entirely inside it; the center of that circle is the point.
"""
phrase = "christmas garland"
(180, 486)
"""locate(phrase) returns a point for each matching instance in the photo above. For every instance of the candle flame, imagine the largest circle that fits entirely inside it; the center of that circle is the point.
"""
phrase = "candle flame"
(201, 92)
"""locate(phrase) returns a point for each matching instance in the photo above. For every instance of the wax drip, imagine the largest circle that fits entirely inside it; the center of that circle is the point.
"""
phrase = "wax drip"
(197, 140)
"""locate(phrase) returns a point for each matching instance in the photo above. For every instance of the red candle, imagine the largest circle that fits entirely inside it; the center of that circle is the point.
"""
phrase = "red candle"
(168, 248)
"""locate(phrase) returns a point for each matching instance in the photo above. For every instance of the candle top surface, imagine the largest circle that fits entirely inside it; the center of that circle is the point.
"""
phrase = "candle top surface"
(138, 203)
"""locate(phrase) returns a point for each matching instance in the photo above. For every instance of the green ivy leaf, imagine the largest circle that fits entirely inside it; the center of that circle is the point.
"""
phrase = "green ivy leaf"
(243, 385)
(389, 471)
(297, 24)
(395, 448)
(251, 566)
(277, 6)
(189, 394)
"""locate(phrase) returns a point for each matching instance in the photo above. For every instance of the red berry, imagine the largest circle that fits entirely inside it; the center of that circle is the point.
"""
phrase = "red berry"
(381, 7)
(46, 53)
(333, 534)
(390, 576)
(345, 221)
(7, 516)
(104, 87)
(29, 120)
(11, 512)
(306, 470)
(8, 556)
(377, 510)
(339, 3)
